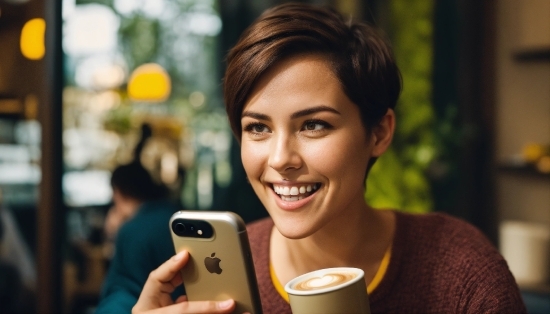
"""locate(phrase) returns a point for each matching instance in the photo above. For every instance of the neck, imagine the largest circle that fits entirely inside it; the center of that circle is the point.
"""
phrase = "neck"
(356, 238)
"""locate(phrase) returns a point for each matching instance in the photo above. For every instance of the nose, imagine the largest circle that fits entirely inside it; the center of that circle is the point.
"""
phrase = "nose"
(284, 154)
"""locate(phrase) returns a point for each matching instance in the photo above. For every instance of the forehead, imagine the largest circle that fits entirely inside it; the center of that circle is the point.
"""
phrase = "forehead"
(299, 78)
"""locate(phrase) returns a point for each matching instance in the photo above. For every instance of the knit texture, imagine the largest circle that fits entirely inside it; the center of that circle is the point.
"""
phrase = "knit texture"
(439, 264)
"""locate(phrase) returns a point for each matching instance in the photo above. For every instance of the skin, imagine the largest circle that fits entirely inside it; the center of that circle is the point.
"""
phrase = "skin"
(155, 296)
(299, 130)
(124, 208)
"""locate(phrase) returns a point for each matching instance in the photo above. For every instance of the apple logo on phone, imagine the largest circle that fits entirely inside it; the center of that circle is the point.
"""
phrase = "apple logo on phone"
(212, 264)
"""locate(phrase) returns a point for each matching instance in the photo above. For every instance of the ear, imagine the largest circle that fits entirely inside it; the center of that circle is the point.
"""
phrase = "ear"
(116, 194)
(382, 134)
(120, 197)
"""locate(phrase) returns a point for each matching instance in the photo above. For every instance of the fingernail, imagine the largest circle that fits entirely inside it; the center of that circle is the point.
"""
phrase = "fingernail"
(178, 256)
(225, 304)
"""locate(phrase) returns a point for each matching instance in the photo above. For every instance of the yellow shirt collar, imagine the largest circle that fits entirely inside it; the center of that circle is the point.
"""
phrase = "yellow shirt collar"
(370, 288)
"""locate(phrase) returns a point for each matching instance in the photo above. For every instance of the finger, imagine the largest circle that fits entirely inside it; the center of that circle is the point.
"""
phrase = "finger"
(181, 298)
(226, 306)
(161, 282)
(167, 276)
(197, 307)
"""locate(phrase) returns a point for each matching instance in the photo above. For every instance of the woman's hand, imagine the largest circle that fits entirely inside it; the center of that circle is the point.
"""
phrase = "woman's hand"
(155, 296)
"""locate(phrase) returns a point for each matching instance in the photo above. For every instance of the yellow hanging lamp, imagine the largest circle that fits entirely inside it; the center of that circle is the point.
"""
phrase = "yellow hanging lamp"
(149, 83)
(32, 39)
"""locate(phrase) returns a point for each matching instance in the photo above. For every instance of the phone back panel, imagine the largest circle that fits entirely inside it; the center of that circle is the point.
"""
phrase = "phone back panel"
(229, 249)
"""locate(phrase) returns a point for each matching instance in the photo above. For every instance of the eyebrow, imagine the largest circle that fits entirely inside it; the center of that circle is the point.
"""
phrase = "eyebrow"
(298, 114)
(312, 110)
(255, 115)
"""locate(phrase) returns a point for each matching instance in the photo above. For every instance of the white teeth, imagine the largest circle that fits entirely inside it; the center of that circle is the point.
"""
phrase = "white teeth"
(294, 190)
(291, 198)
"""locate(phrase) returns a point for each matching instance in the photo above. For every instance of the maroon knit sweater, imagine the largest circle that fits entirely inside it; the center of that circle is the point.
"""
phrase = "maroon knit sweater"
(439, 264)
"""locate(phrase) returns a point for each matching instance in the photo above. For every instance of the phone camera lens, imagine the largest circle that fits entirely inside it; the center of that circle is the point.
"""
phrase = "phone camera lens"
(179, 228)
(191, 228)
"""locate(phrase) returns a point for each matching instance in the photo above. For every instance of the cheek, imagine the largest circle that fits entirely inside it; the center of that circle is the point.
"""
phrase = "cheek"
(253, 157)
(339, 158)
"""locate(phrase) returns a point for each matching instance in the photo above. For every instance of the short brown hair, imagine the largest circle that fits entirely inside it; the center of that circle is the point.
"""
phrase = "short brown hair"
(359, 55)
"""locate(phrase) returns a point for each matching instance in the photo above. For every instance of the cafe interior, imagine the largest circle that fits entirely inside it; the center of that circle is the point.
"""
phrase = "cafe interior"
(80, 78)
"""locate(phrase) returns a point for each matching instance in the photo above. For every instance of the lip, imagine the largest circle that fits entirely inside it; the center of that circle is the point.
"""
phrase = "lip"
(291, 206)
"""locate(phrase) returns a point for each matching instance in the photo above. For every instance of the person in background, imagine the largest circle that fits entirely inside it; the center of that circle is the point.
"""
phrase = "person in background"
(132, 185)
(138, 226)
(310, 96)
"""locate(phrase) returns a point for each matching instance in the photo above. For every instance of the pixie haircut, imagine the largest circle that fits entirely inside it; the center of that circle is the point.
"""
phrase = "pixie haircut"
(358, 54)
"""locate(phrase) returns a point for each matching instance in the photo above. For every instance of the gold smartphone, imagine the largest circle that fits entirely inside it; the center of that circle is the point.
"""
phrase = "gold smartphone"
(220, 263)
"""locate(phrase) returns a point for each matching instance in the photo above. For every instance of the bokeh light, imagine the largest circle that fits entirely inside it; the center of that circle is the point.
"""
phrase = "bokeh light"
(90, 29)
(149, 83)
(32, 39)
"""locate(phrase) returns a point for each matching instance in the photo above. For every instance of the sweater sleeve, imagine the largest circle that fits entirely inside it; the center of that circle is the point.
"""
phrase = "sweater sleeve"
(492, 289)
(483, 283)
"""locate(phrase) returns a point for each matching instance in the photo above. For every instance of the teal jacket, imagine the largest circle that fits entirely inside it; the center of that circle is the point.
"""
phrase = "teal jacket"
(143, 243)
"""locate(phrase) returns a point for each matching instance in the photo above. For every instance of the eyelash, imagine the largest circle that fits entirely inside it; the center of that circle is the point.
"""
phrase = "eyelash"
(315, 121)
(253, 125)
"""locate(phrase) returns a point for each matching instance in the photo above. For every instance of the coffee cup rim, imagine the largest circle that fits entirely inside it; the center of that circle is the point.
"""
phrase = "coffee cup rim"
(321, 272)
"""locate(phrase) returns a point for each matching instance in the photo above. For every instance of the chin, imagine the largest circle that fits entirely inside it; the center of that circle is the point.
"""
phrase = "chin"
(293, 228)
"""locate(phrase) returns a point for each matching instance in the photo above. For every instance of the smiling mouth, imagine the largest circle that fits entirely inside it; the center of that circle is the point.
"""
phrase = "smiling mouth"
(295, 192)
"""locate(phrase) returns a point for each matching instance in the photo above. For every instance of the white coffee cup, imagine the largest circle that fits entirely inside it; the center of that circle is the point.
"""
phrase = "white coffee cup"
(329, 290)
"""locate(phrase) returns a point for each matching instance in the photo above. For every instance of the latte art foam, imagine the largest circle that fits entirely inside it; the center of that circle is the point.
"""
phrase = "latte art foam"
(328, 280)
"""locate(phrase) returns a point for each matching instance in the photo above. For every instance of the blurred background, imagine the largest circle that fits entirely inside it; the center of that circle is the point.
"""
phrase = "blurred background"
(79, 78)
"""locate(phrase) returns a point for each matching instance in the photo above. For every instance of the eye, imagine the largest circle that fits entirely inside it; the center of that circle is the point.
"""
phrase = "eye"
(256, 128)
(315, 125)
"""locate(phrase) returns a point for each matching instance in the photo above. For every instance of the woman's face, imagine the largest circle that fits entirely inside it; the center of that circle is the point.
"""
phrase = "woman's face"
(304, 147)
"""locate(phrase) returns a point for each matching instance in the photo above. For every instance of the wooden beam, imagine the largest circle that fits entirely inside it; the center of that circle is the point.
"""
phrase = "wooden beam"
(50, 211)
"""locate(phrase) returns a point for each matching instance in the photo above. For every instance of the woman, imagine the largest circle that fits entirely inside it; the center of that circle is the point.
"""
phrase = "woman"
(310, 97)
(137, 238)
(133, 186)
